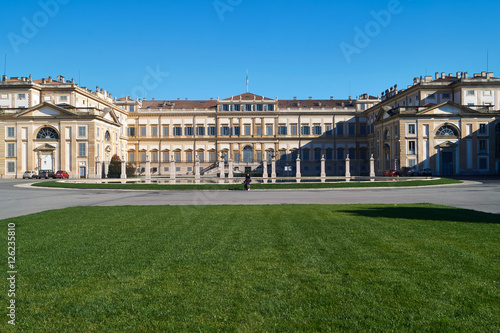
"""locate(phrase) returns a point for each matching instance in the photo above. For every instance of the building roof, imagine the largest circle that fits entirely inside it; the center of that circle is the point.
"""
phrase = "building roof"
(248, 97)
(315, 103)
(179, 104)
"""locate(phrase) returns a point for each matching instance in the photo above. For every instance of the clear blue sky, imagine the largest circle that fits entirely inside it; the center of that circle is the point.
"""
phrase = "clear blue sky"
(290, 48)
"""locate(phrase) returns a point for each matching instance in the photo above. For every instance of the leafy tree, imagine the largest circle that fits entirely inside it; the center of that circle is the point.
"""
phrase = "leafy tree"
(115, 167)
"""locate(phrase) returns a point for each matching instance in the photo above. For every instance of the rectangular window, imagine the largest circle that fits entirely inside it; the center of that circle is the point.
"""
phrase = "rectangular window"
(165, 130)
(468, 129)
(166, 156)
(317, 155)
(270, 129)
(483, 129)
(200, 130)
(236, 130)
(131, 131)
(446, 96)
(225, 107)
(247, 129)
(305, 130)
(259, 130)
(411, 129)
(340, 154)
(131, 108)
(154, 157)
(11, 132)
(340, 129)
(143, 130)
(483, 146)
(483, 163)
(143, 157)
(11, 150)
(154, 130)
(236, 107)
(11, 167)
(305, 155)
(82, 149)
(362, 129)
(177, 157)
(258, 107)
(21, 96)
(248, 107)
(188, 130)
(294, 129)
(269, 107)
(189, 157)
(317, 130)
(471, 92)
(426, 130)
(177, 131)
(352, 128)
(431, 96)
(259, 157)
(224, 130)
(212, 130)
(131, 157)
(328, 154)
(201, 157)
(64, 98)
(411, 147)
(328, 129)
(236, 157)
(412, 162)
(82, 131)
(282, 130)
(212, 157)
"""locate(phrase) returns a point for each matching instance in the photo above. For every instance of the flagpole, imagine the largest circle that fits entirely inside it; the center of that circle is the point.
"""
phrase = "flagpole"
(247, 80)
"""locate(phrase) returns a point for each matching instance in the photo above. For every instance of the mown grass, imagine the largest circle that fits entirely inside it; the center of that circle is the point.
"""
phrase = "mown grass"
(255, 186)
(287, 268)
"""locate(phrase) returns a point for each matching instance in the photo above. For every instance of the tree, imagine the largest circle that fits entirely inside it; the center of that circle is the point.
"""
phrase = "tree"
(115, 167)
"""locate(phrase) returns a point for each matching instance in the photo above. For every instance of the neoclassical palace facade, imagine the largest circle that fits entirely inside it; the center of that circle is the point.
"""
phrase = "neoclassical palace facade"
(449, 123)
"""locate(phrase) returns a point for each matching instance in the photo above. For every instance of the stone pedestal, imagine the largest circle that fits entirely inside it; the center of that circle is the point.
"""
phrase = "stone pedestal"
(172, 168)
(297, 171)
(221, 169)
(347, 167)
(372, 167)
(98, 171)
(148, 170)
(123, 174)
(230, 172)
(197, 168)
(273, 168)
(323, 172)
(264, 170)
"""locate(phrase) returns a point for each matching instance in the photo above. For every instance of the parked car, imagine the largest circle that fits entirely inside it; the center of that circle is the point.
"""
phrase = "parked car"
(45, 174)
(427, 172)
(61, 174)
(30, 175)
(406, 172)
(390, 172)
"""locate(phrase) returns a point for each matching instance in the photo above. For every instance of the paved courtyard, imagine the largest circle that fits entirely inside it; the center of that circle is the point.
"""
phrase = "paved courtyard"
(481, 195)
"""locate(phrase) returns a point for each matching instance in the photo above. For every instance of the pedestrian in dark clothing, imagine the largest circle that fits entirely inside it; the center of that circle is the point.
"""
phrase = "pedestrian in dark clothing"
(247, 182)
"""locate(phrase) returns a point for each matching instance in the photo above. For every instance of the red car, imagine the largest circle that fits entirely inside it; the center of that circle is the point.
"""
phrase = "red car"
(390, 173)
(61, 174)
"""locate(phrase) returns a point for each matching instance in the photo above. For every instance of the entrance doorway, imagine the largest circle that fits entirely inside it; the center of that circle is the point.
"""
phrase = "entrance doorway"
(83, 172)
(447, 163)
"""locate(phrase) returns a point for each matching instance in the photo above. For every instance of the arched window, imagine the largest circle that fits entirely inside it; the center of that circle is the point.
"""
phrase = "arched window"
(107, 136)
(386, 135)
(248, 154)
(47, 133)
(447, 130)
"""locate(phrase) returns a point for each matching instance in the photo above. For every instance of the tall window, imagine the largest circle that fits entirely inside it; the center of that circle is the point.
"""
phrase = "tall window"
(411, 129)
(82, 149)
(200, 130)
(248, 107)
(411, 147)
(340, 129)
(483, 129)
(188, 130)
(236, 130)
(212, 130)
(258, 107)
(225, 107)
(143, 130)
(269, 107)
(270, 129)
(154, 130)
(305, 130)
(177, 131)
(11, 132)
(82, 131)
(259, 130)
(11, 167)
(483, 144)
(236, 107)
(247, 129)
(282, 130)
(11, 150)
(317, 130)
(165, 130)
(224, 130)
(107, 136)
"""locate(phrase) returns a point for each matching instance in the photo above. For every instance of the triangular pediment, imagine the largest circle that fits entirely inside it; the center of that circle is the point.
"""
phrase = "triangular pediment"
(447, 108)
(383, 113)
(110, 115)
(248, 97)
(45, 146)
(44, 110)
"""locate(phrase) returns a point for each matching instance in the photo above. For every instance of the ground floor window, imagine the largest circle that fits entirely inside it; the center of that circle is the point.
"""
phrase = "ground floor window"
(11, 167)
(483, 163)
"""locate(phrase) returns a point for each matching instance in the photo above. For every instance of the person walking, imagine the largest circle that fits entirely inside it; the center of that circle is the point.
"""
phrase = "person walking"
(247, 182)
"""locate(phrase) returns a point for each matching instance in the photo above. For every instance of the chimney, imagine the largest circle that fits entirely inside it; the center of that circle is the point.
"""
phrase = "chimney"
(31, 78)
(96, 88)
(4, 78)
(459, 75)
(44, 81)
(50, 79)
(178, 99)
(451, 74)
(415, 80)
(294, 98)
(428, 78)
(310, 98)
(331, 98)
(489, 75)
(443, 75)
(437, 76)
(211, 98)
(466, 75)
(186, 99)
(483, 74)
(152, 99)
(396, 88)
(61, 79)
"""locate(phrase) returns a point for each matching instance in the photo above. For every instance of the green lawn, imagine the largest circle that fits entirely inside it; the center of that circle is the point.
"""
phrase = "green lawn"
(255, 186)
(287, 268)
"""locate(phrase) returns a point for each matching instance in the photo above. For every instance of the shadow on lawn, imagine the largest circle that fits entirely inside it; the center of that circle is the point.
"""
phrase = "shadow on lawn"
(427, 213)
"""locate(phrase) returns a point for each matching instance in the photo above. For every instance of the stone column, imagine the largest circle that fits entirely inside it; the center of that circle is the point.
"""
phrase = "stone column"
(124, 168)
(273, 168)
(148, 170)
(230, 174)
(172, 168)
(197, 167)
(347, 167)
(372, 167)
(297, 172)
(323, 173)
(264, 170)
